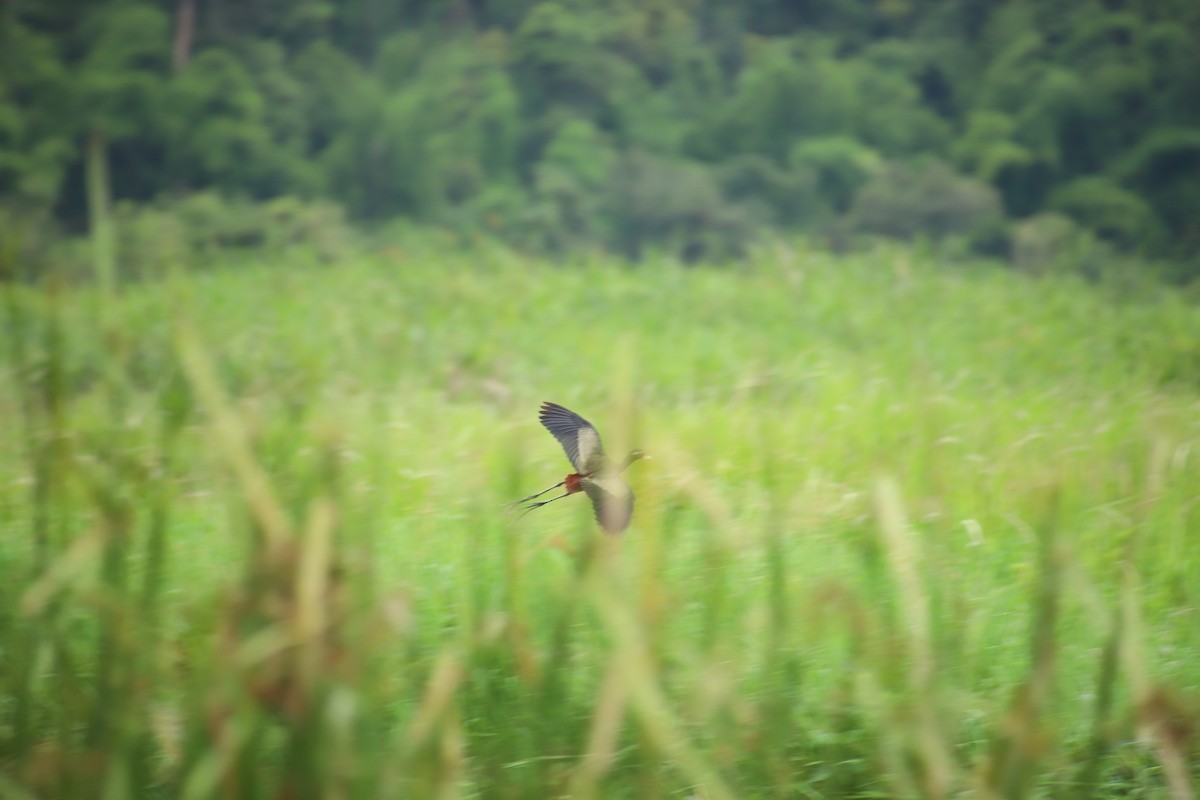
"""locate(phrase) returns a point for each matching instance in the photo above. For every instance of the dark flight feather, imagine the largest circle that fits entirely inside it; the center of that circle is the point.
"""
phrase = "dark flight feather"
(577, 436)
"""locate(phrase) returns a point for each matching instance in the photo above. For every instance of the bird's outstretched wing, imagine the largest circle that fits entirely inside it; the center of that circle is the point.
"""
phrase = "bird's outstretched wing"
(612, 501)
(576, 435)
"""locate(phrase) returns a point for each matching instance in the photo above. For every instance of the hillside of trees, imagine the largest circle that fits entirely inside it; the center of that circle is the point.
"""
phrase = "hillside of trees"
(1020, 129)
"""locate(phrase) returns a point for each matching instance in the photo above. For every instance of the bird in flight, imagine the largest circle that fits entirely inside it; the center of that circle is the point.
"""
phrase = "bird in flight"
(595, 474)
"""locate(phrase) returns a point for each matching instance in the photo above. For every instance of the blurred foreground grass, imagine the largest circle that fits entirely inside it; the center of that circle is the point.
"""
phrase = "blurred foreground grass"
(909, 530)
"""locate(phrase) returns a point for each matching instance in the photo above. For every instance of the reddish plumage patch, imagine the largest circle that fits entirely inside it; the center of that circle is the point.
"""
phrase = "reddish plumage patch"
(572, 483)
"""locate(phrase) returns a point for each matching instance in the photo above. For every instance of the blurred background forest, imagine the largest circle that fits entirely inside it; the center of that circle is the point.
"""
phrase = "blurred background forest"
(1052, 133)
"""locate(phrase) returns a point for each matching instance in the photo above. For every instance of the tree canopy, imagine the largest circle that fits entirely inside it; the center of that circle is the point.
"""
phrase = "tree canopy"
(688, 125)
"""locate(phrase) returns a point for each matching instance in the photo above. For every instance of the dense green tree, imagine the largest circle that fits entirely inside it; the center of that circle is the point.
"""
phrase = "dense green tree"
(988, 151)
(903, 201)
(1164, 168)
(783, 94)
(449, 128)
(216, 127)
(117, 92)
(841, 166)
(1113, 212)
(672, 205)
(788, 197)
(560, 60)
(333, 87)
(36, 126)
(682, 124)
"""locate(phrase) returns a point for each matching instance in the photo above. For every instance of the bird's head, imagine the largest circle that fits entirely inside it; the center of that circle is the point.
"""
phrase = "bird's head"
(634, 455)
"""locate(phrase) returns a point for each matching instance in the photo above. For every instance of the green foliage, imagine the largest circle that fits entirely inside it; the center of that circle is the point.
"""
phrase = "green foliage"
(841, 167)
(655, 203)
(568, 187)
(781, 95)
(787, 197)
(580, 150)
(1052, 243)
(1165, 170)
(120, 77)
(28, 240)
(155, 240)
(1116, 214)
(436, 142)
(36, 123)
(152, 241)
(904, 201)
(255, 544)
(1169, 46)
(217, 126)
(284, 118)
(891, 115)
(472, 115)
(442, 112)
(560, 60)
(333, 88)
(987, 151)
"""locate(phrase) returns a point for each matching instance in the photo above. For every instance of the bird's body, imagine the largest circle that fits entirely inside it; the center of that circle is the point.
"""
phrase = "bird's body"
(595, 474)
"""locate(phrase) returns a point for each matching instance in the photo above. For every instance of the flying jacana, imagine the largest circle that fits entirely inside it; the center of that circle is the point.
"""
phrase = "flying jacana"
(595, 474)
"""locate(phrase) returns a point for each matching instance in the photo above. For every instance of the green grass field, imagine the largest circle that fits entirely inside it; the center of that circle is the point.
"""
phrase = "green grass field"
(909, 529)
